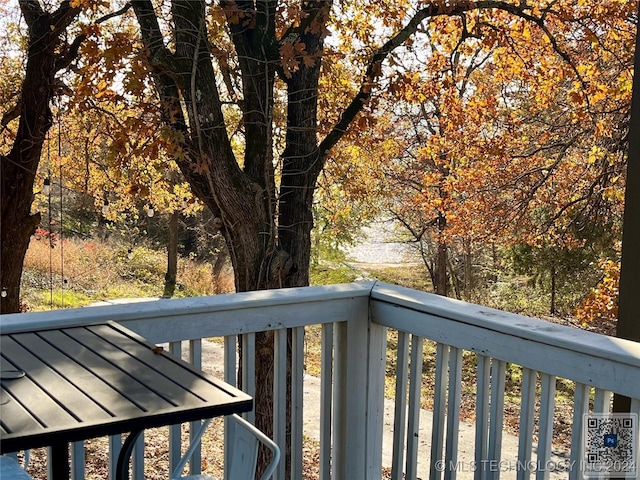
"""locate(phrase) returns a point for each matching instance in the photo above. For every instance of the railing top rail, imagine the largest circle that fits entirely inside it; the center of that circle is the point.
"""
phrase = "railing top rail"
(539, 331)
(195, 307)
(180, 319)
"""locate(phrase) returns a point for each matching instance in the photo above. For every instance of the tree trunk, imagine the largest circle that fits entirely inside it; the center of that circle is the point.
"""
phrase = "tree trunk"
(442, 283)
(18, 169)
(242, 200)
(554, 287)
(218, 267)
(268, 236)
(455, 282)
(172, 256)
(427, 260)
(468, 269)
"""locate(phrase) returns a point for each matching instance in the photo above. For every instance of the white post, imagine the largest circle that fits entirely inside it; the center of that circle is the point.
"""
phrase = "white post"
(580, 408)
(357, 383)
(498, 369)
(351, 395)
(439, 405)
(545, 428)
(249, 371)
(453, 411)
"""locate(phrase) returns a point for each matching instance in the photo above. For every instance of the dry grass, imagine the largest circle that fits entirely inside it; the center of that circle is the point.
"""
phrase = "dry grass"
(75, 272)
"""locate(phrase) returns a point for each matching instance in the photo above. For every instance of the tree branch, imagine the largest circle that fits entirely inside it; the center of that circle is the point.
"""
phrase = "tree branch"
(71, 51)
(435, 9)
(31, 11)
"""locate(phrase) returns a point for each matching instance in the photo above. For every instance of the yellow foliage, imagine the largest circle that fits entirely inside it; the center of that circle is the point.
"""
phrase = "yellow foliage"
(602, 301)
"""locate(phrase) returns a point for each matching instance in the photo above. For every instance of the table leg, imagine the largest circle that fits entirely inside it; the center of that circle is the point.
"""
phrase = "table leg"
(59, 463)
(122, 467)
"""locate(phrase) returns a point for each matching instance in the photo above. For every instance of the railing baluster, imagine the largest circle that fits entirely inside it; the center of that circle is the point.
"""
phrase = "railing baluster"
(326, 381)
(195, 358)
(340, 391)
(545, 427)
(527, 414)
(602, 401)
(115, 445)
(453, 412)
(230, 358)
(580, 408)
(230, 376)
(399, 419)
(137, 458)
(439, 400)
(249, 370)
(175, 431)
(280, 396)
(413, 423)
(635, 408)
(483, 391)
(498, 368)
(77, 461)
(297, 393)
(601, 404)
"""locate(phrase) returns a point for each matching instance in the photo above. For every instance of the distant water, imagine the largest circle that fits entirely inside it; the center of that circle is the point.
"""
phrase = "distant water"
(376, 246)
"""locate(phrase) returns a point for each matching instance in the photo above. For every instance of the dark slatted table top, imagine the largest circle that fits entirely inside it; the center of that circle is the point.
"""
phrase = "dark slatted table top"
(86, 382)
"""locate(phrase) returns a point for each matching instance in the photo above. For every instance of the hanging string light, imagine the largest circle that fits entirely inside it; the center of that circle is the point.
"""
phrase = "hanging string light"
(46, 186)
(130, 253)
(50, 224)
(4, 292)
(105, 207)
(149, 211)
(61, 234)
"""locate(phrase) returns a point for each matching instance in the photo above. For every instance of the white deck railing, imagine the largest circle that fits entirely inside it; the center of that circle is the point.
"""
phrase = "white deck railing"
(356, 321)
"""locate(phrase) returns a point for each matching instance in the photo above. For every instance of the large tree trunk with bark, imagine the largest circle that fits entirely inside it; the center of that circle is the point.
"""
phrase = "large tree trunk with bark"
(18, 169)
(241, 194)
(267, 236)
(267, 231)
